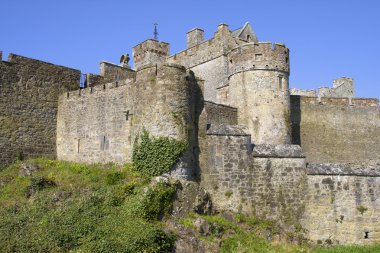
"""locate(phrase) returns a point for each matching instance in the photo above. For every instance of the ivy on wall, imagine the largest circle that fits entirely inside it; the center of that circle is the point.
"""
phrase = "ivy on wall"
(154, 156)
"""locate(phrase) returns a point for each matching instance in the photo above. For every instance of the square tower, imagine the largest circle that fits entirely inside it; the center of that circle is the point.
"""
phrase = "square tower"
(150, 52)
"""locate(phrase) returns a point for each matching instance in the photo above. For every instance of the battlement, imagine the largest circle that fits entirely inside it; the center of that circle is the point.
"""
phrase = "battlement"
(147, 73)
(301, 92)
(358, 102)
(114, 72)
(259, 56)
(150, 51)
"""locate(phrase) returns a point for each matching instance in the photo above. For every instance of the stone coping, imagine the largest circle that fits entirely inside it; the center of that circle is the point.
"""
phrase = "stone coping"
(343, 169)
(216, 104)
(227, 130)
(280, 151)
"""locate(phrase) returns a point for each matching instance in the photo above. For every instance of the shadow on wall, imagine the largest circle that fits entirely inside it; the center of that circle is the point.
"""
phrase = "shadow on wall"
(198, 105)
(295, 117)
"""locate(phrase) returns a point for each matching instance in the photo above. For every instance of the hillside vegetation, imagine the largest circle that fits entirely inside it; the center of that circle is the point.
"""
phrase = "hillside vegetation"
(55, 206)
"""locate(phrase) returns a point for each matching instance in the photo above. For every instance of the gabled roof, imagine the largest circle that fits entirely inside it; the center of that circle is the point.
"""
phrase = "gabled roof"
(245, 30)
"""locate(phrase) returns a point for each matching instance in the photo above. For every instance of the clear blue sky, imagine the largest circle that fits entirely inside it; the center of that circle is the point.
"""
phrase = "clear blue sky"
(327, 38)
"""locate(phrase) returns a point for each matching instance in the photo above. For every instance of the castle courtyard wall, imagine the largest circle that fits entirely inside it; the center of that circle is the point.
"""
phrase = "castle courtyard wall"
(29, 91)
(336, 130)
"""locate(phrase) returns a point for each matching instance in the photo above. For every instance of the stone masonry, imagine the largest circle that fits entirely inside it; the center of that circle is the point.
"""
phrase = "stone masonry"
(256, 146)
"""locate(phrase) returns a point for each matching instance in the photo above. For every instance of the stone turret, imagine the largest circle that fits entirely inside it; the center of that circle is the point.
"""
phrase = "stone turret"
(258, 87)
(150, 52)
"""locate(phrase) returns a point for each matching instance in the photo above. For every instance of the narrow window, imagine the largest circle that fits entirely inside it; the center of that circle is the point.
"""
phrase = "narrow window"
(102, 143)
(280, 82)
(78, 145)
(248, 38)
(366, 235)
(286, 59)
(117, 78)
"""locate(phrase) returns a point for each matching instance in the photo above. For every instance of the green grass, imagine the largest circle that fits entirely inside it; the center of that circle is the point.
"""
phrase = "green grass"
(82, 208)
(71, 207)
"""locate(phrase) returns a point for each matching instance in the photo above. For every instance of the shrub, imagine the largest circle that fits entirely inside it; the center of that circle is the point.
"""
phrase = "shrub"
(156, 202)
(155, 156)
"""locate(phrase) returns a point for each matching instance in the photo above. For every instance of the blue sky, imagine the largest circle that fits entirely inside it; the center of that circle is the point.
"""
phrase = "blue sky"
(327, 38)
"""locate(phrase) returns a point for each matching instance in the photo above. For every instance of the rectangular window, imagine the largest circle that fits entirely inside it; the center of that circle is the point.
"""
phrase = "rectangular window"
(104, 143)
(258, 57)
(78, 145)
(280, 82)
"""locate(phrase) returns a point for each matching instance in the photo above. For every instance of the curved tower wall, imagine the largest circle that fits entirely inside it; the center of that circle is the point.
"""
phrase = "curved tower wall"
(258, 87)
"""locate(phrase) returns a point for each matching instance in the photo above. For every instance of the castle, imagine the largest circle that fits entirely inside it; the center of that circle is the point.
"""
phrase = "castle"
(255, 145)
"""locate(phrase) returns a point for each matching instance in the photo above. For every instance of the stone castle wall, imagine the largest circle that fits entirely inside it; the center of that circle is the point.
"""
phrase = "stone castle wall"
(220, 114)
(29, 91)
(336, 130)
(100, 124)
(267, 180)
(342, 204)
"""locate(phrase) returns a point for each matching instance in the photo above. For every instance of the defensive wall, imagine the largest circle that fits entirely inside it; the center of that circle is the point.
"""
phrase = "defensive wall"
(101, 123)
(335, 203)
(29, 91)
(337, 130)
(268, 181)
(342, 204)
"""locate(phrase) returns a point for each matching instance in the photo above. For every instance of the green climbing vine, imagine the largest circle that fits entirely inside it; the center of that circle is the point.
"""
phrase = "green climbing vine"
(153, 156)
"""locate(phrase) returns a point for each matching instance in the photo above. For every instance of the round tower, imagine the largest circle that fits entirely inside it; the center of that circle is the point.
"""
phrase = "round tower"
(258, 87)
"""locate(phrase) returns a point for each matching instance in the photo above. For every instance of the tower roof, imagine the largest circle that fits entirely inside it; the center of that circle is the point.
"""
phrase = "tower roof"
(245, 33)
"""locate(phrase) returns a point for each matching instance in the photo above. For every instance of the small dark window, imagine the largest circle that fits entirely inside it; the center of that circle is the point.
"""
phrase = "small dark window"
(230, 61)
(286, 59)
(78, 145)
(208, 126)
(366, 235)
(248, 38)
(280, 82)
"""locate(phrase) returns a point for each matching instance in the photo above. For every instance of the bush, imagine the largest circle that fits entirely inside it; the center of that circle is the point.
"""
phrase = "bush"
(155, 156)
(156, 202)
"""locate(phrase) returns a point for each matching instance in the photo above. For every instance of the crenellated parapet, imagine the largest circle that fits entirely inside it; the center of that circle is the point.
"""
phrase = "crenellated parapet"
(150, 51)
(259, 56)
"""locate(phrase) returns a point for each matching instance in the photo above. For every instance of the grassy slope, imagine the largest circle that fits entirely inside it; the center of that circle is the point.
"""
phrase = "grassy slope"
(105, 208)
(97, 208)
